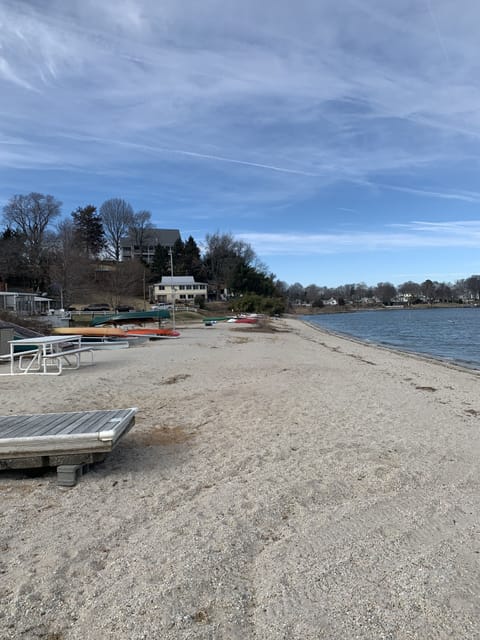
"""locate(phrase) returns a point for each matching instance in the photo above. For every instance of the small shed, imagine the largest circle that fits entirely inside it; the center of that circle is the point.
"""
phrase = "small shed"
(24, 304)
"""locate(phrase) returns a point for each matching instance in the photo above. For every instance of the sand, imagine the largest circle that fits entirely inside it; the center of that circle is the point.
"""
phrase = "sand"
(277, 485)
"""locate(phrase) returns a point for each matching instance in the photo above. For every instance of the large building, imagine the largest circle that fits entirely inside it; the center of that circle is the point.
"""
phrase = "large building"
(179, 289)
(153, 239)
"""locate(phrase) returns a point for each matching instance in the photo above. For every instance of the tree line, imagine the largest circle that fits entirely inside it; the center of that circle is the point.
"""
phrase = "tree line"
(41, 251)
(386, 293)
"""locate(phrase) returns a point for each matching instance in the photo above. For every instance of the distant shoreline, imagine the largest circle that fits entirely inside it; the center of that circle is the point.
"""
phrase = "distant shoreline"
(306, 311)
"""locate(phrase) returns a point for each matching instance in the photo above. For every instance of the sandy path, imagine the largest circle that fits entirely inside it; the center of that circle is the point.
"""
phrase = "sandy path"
(287, 485)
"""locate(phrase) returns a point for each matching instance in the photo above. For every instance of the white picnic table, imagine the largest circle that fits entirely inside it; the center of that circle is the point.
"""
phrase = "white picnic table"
(48, 354)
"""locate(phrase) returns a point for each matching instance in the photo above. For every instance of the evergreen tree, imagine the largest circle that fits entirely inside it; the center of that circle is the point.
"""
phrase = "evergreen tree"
(13, 263)
(89, 231)
(161, 262)
(178, 251)
(192, 260)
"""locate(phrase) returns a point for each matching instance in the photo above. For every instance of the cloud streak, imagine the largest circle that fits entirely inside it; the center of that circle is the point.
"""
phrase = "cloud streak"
(415, 235)
(276, 115)
(262, 91)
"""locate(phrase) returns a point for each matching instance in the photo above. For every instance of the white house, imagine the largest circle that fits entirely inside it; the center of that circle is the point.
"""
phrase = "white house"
(179, 289)
(331, 302)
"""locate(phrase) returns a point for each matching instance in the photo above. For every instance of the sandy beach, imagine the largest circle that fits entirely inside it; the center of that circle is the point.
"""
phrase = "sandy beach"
(288, 484)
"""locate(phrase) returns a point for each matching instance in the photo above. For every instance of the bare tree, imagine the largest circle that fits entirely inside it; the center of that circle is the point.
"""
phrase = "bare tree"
(31, 215)
(473, 286)
(296, 293)
(411, 290)
(444, 292)
(71, 270)
(428, 290)
(117, 218)
(311, 293)
(124, 279)
(386, 291)
(140, 229)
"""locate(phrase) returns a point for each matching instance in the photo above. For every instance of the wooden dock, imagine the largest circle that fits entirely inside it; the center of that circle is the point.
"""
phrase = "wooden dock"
(68, 441)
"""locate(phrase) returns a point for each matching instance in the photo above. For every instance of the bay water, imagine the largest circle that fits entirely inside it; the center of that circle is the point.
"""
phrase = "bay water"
(447, 334)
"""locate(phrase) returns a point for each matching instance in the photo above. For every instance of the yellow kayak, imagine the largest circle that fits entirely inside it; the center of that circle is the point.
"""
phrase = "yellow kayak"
(90, 331)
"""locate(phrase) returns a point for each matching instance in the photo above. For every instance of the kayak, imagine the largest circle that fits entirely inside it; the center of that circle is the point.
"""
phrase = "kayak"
(89, 331)
(243, 320)
(152, 333)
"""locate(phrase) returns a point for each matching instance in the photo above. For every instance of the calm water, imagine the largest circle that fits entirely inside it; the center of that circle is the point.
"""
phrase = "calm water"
(447, 334)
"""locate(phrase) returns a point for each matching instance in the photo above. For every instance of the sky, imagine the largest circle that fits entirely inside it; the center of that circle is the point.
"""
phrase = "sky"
(340, 139)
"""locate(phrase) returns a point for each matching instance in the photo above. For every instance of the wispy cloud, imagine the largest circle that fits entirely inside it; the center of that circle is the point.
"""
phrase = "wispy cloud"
(278, 115)
(303, 92)
(465, 196)
(415, 235)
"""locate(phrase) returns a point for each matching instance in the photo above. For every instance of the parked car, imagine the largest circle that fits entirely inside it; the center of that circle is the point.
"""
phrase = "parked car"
(122, 308)
(97, 307)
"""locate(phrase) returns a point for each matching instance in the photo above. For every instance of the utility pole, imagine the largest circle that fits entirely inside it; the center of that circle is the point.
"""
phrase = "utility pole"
(172, 287)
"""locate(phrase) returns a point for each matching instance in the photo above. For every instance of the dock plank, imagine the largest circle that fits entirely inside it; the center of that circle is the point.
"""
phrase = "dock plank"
(63, 433)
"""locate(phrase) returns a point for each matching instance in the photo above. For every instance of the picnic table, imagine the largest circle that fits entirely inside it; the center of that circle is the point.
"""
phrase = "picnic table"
(47, 355)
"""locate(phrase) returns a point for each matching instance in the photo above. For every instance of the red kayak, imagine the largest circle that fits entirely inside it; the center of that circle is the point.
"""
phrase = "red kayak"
(243, 320)
(153, 333)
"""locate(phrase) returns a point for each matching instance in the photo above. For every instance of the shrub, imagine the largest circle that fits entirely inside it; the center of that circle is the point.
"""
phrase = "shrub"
(253, 303)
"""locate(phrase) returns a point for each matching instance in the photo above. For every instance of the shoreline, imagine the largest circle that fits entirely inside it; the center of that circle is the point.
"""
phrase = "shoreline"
(454, 364)
(284, 484)
(443, 350)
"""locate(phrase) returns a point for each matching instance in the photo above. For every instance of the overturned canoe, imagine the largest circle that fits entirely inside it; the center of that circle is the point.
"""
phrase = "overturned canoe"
(132, 316)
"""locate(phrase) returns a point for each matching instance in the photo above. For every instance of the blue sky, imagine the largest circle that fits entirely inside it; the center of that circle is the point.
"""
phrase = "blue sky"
(340, 139)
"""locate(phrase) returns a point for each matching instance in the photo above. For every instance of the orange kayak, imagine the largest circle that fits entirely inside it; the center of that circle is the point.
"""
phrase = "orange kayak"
(90, 331)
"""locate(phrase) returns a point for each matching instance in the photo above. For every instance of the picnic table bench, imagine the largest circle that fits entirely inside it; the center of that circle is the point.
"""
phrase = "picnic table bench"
(48, 355)
(63, 355)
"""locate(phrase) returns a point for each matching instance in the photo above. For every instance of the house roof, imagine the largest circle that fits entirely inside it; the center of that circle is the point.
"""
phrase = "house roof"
(163, 237)
(16, 294)
(177, 280)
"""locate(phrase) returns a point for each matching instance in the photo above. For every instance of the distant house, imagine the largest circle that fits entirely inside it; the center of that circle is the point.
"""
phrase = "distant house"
(331, 302)
(153, 239)
(181, 289)
(24, 304)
